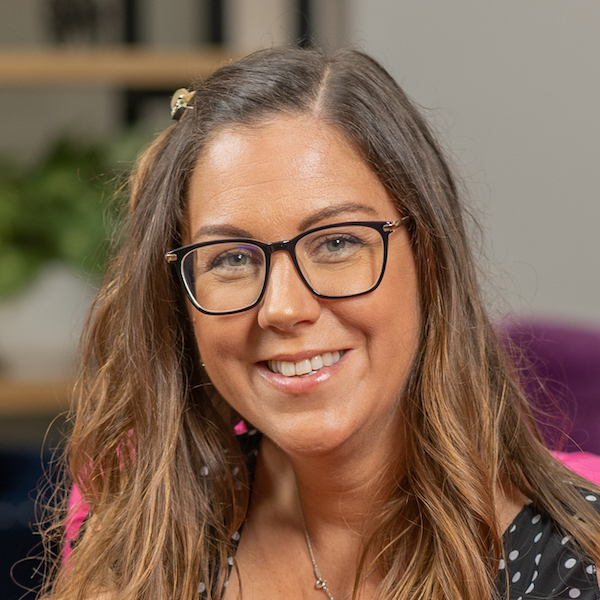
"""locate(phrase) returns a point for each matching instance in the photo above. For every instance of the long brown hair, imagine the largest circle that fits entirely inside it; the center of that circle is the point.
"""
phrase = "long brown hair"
(153, 450)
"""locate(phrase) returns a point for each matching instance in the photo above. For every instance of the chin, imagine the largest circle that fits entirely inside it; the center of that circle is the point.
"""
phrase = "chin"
(317, 438)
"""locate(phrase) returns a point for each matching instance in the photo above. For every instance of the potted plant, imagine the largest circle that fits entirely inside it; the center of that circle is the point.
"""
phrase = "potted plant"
(56, 217)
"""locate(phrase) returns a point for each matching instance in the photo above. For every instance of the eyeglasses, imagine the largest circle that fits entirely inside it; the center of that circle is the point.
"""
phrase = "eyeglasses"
(227, 276)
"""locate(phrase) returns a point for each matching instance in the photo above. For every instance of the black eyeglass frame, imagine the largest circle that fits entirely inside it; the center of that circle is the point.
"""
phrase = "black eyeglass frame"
(177, 256)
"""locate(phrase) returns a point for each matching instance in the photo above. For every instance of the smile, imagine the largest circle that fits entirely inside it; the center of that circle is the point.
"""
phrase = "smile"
(306, 366)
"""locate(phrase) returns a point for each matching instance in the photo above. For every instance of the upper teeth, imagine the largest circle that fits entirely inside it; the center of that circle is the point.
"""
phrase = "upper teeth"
(303, 367)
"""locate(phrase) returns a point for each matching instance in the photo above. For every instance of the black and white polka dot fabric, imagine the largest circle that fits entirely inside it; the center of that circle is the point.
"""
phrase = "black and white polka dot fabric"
(541, 563)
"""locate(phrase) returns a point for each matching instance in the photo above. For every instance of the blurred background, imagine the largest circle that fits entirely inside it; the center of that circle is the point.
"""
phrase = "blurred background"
(512, 88)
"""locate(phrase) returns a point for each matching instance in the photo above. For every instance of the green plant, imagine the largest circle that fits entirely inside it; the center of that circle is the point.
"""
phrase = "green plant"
(62, 209)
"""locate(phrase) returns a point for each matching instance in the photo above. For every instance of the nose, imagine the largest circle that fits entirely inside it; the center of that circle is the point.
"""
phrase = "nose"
(287, 301)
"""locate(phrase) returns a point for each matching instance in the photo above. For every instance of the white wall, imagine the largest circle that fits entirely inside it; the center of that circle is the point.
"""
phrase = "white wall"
(250, 25)
(515, 92)
(173, 23)
(21, 22)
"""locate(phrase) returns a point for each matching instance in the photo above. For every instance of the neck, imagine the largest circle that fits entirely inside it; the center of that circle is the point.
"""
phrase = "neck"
(339, 489)
(336, 497)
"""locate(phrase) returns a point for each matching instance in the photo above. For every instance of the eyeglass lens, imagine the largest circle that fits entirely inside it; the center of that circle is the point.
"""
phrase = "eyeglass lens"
(335, 262)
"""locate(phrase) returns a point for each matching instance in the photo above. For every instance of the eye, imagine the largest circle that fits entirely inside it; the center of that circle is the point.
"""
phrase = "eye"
(227, 261)
(239, 258)
(336, 244)
(333, 247)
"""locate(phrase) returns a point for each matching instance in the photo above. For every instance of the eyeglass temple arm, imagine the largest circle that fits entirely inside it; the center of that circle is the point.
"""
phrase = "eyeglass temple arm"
(393, 225)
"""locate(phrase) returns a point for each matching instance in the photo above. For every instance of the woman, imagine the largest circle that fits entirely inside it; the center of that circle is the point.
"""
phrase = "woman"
(327, 416)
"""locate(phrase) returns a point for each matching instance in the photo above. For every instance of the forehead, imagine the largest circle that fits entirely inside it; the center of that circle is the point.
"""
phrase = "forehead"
(280, 173)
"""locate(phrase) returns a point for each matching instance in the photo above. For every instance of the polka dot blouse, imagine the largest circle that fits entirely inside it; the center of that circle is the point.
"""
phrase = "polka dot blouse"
(541, 563)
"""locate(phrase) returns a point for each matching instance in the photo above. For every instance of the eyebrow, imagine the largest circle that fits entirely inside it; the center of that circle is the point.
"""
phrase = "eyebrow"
(221, 230)
(333, 211)
(320, 215)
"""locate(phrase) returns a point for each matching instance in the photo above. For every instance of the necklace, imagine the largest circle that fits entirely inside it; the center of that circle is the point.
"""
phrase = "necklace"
(320, 583)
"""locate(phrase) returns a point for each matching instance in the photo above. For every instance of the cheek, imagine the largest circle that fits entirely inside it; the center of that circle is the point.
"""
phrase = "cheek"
(399, 316)
(395, 339)
(221, 343)
(212, 342)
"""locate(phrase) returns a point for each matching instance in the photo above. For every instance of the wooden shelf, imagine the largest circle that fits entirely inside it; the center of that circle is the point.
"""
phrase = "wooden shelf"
(132, 68)
(32, 398)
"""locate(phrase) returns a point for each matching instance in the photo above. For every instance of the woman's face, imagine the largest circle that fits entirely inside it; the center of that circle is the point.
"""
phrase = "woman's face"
(271, 183)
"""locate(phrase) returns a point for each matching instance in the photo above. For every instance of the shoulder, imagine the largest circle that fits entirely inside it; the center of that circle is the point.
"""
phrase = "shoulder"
(540, 561)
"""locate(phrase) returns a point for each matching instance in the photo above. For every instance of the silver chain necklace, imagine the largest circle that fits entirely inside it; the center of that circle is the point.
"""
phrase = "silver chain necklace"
(320, 583)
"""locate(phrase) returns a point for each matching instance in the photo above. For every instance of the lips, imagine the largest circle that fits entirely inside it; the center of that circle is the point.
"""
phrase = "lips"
(308, 366)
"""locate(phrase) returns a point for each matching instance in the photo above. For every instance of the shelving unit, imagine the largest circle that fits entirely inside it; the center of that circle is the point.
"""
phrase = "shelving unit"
(136, 68)
(22, 398)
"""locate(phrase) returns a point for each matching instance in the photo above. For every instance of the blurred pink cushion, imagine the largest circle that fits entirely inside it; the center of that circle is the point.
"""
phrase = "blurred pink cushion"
(560, 370)
(583, 463)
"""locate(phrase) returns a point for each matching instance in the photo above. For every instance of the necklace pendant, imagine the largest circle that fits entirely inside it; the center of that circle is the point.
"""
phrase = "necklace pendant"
(320, 583)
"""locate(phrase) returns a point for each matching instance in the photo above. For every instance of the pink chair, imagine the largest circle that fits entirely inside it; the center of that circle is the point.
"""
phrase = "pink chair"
(560, 366)
(566, 360)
